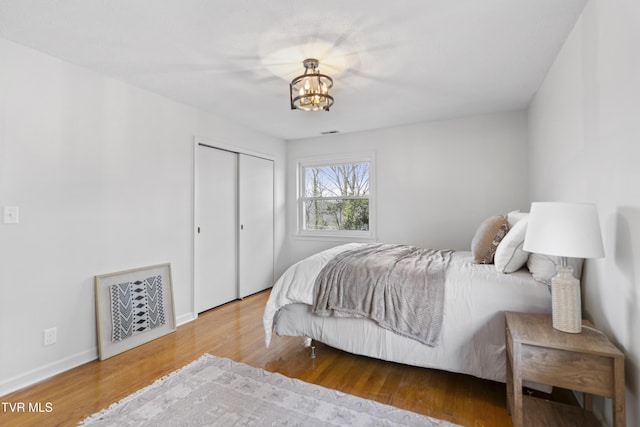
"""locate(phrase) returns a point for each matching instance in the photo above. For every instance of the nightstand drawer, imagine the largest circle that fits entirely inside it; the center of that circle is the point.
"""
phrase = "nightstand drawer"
(576, 371)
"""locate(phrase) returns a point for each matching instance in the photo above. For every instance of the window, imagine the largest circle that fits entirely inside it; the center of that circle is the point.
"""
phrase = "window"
(335, 197)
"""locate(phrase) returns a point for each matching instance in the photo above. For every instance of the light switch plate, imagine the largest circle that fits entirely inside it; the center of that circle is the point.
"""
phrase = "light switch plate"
(10, 215)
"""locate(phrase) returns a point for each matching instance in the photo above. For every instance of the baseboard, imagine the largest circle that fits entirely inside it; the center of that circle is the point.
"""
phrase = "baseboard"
(47, 371)
(185, 318)
(44, 372)
(579, 397)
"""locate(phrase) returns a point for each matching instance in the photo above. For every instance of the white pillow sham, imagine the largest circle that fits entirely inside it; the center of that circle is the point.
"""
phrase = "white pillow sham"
(514, 216)
(543, 267)
(509, 255)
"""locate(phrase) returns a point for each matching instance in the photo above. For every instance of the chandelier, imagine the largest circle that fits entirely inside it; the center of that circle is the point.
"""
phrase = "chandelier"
(310, 91)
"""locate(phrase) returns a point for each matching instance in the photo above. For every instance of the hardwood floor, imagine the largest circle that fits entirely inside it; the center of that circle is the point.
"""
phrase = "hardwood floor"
(235, 331)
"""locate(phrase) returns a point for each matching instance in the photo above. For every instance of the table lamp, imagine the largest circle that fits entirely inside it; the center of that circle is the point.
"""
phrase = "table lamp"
(564, 230)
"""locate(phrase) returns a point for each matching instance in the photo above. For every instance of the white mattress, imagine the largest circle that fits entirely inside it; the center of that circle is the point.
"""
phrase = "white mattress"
(472, 340)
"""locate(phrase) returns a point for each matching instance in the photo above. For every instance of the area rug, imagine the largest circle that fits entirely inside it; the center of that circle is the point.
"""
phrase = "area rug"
(213, 391)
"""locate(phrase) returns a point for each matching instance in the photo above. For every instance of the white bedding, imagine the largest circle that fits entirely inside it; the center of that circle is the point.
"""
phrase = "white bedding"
(472, 337)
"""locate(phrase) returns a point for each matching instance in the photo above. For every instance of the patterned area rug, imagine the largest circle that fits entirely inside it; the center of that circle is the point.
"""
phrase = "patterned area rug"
(213, 391)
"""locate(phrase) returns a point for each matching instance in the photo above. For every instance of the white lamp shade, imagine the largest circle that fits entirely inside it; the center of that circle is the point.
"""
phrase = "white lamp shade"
(564, 229)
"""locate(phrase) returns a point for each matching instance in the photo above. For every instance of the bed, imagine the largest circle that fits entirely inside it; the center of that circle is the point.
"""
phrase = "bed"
(472, 336)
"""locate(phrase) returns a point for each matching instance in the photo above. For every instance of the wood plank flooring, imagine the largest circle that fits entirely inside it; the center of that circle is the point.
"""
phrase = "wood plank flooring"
(235, 331)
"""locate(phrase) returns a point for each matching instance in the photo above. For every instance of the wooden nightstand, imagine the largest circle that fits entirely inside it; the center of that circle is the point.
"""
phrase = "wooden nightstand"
(585, 362)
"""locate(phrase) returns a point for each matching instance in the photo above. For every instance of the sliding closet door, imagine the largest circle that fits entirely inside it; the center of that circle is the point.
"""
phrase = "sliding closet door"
(256, 224)
(216, 250)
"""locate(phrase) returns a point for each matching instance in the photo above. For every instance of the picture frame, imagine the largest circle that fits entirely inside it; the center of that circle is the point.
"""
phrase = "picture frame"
(133, 307)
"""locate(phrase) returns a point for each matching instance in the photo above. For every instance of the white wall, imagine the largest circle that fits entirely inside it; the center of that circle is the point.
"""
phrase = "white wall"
(585, 146)
(436, 181)
(103, 175)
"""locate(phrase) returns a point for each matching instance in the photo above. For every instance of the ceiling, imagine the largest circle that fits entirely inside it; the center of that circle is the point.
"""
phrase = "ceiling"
(393, 62)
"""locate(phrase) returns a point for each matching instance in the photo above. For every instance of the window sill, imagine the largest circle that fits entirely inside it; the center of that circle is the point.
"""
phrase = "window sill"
(335, 237)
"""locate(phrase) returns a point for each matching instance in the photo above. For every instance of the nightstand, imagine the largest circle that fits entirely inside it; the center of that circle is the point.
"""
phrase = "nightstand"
(585, 362)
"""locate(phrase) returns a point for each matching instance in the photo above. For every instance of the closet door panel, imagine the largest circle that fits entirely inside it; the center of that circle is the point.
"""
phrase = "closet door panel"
(256, 217)
(216, 236)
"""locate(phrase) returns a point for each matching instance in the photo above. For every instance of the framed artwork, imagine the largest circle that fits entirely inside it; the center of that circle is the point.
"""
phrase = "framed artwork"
(133, 307)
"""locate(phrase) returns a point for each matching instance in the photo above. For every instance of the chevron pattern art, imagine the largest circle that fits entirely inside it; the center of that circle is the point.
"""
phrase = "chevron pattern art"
(136, 307)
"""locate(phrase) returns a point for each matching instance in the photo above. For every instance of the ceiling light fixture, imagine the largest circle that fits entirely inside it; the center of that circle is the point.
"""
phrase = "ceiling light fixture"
(310, 91)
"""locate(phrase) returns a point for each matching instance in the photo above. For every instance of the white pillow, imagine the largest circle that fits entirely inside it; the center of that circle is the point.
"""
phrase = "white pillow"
(509, 255)
(514, 216)
(543, 267)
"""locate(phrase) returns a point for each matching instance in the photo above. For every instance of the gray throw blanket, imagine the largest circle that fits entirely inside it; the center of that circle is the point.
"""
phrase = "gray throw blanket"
(400, 287)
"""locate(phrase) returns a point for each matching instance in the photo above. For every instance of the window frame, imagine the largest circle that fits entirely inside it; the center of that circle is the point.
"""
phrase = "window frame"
(301, 164)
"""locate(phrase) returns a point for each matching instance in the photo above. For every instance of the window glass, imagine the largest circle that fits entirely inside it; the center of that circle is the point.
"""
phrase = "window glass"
(335, 197)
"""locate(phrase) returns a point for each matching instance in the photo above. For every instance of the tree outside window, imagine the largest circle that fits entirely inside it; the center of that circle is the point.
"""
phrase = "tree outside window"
(335, 197)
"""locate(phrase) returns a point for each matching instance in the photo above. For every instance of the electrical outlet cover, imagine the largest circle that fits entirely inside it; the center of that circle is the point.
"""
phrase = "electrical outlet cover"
(50, 336)
(10, 215)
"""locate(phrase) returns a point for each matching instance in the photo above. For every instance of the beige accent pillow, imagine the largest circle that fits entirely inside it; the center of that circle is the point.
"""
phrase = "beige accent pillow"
(487, 238)
(509, 255)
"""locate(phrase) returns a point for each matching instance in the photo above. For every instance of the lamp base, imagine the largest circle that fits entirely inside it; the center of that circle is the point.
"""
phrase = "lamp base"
(565, 300)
